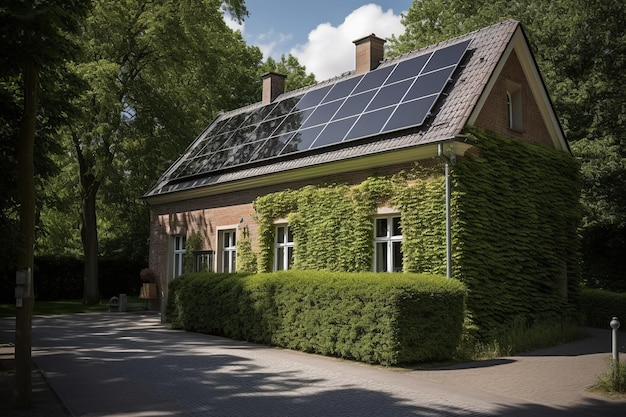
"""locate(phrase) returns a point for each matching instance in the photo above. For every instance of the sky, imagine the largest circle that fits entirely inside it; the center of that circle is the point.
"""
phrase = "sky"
(319, 33)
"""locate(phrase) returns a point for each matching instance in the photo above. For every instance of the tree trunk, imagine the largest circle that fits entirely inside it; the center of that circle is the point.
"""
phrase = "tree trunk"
(89, 236)
(89, 185)
(26, 186)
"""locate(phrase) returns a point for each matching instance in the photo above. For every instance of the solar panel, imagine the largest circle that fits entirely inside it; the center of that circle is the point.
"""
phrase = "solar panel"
(387, 99)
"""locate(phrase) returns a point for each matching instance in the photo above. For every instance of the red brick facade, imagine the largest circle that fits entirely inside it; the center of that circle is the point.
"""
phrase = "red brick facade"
(209, 214)
(494, 113)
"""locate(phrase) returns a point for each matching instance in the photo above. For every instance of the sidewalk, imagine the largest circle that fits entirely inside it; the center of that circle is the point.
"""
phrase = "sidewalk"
(116, 364)
(45, 401)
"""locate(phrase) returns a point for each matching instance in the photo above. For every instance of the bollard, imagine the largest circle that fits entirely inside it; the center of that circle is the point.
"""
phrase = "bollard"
(615, 325)
(123, 302)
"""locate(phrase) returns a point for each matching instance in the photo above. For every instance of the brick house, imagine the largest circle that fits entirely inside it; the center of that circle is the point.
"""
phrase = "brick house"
(380, 119)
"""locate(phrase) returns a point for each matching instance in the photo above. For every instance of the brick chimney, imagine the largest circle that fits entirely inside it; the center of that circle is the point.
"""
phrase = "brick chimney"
(370, 52)
(273, 86)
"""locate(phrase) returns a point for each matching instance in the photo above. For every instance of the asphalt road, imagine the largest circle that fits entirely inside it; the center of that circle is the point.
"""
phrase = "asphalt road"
(128, 364)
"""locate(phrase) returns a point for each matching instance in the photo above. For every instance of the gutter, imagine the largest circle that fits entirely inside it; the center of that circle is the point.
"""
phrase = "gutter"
(448, 160)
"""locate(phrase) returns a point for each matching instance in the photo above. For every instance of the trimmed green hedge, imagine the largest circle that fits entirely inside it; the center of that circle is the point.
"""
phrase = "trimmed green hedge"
(375, 318)
(600, 306)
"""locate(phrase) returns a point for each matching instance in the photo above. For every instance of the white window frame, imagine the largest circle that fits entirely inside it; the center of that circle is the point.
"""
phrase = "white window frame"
(227, 249)
(386, 244)
(514, 106)
(283, 244)
(180, 249)
(204, 261)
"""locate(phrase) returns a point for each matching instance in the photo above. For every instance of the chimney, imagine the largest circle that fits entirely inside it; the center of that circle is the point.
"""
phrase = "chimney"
(273, 86)
(370, 52)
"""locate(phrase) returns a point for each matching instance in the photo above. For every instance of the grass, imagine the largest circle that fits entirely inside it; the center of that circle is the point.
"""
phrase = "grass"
(612, 382)
(518, 339)
(48, 308)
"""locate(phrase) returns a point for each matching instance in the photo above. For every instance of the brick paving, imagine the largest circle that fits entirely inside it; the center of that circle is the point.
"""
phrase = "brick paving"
(117, 364)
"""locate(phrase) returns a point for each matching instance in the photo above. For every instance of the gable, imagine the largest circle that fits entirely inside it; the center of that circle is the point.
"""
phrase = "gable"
(493, 116)
(539, 123)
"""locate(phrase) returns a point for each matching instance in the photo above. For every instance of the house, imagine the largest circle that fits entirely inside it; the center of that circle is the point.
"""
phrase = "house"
(384, 118)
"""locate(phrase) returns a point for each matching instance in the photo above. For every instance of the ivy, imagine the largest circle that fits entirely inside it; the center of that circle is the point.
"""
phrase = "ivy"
(515, 212)
(246, 258)
(193, 244)
(515, 240)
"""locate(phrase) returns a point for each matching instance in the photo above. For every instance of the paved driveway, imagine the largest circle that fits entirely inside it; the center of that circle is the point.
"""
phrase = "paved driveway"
(117, 364)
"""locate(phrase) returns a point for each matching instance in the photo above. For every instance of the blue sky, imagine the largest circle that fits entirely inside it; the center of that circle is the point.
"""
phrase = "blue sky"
(320, 32)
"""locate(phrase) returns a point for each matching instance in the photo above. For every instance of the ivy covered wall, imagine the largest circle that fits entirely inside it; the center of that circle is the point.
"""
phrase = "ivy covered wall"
(514, 227)
(515, 236)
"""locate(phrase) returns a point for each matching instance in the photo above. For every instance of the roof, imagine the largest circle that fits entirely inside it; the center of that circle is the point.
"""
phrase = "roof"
(434, 116)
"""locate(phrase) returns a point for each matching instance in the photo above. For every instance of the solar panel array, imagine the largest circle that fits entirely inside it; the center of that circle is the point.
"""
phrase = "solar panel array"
(384, 100)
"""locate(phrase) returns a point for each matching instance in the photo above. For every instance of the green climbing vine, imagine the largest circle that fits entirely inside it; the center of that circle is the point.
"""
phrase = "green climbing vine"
(193, 244)
(246, 258)
(514, 227)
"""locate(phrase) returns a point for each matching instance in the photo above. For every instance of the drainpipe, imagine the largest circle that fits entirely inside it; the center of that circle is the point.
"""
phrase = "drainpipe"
(448, 160)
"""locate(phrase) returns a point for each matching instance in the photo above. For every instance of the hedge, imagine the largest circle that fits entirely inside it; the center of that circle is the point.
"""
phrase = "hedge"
(386, 319)
(62, 278)
(598, 307)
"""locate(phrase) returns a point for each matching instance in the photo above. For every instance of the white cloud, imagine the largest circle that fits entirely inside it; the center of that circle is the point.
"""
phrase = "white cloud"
(233, 24)
(269, 42)
(330, 50)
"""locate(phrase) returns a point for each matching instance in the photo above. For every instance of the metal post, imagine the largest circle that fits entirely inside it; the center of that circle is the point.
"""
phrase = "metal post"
(448, 232)
(615, 325)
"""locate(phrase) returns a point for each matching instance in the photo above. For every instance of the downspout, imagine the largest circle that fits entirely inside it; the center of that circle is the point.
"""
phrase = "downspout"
(448, 160)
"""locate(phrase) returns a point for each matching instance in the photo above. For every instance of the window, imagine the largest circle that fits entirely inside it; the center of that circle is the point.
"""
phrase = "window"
(227, 243)
(387, 244)
(283, 248)
(180, 249)
(514, 106)
(203, 261)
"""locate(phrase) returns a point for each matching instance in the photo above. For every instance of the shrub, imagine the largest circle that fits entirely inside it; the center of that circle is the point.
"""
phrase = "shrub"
(598, 307)
(613, 380)
(376, 318)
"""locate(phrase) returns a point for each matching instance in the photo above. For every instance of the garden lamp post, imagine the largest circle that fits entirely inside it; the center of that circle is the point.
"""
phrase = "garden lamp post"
(615, 325)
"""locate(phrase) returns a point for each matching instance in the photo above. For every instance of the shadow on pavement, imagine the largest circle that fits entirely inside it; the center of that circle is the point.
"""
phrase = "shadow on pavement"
(138, 368)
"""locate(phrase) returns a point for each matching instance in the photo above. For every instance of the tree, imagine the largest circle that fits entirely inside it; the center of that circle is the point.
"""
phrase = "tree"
(580, 48)
(297, 76)
(36, 46)
(157, 72)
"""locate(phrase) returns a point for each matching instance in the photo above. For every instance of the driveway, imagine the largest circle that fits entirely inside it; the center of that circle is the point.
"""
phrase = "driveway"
(128, 364)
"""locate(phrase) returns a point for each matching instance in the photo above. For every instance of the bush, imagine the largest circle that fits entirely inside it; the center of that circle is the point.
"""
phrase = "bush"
(613, 380)
(376, 318)
(600, 306)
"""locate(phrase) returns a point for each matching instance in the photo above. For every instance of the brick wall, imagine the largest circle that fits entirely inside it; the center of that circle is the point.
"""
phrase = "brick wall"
(206, 215)
(494, 113)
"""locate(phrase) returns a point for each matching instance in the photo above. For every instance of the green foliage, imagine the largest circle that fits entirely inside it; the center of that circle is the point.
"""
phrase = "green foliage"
(580, 48)
(423, 207)
(269, 208)
(614, 380)
(35, 35)
(515, 234)
(375, 318)
(193, 244)
(515, 242)
(246, 258)
(289, 66)
(156, 73)
(331, 224)
(329, 232)
(519, 337)
(598, 307)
